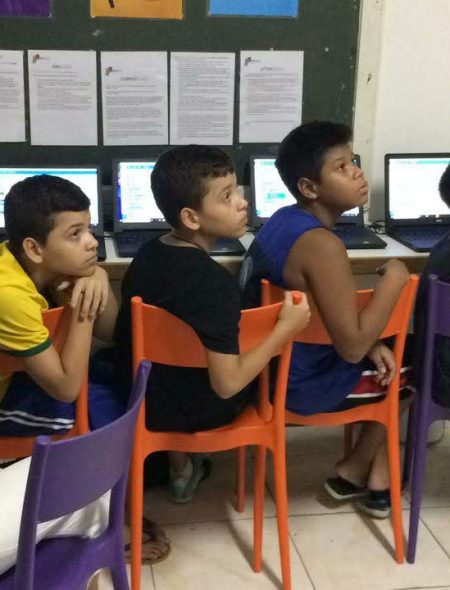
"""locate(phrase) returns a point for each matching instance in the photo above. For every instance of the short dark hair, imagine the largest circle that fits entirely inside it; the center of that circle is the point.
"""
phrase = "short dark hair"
(444, 186)
(31, 205)
(302, 151)
(179, 178)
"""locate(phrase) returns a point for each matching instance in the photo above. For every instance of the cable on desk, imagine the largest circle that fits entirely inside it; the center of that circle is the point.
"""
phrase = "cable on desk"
(378, 226)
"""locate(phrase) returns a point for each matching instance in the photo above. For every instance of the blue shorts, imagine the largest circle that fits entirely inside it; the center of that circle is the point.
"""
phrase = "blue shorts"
(27, 410)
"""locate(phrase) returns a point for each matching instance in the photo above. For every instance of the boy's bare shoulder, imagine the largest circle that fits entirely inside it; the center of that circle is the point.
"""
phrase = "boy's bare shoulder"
(317, 243)
(316, 254)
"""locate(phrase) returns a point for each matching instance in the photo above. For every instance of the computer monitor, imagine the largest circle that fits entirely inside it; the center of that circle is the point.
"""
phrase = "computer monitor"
(134, 204)
(269, 193)
(412, 193)
(87, 178)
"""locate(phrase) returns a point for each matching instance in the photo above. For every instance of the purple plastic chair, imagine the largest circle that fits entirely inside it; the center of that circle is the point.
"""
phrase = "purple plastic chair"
(65, 476)
(425, 410)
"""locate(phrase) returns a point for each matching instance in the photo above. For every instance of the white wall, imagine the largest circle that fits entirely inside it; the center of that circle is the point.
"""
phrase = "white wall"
(403, 84)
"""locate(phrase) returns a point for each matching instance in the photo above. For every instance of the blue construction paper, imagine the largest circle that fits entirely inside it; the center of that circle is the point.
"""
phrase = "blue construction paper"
(254, 7)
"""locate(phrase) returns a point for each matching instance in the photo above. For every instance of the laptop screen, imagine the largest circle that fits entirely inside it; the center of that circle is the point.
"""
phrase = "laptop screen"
(135, 205)
(270, 193)
(412, 182)
(88, 179)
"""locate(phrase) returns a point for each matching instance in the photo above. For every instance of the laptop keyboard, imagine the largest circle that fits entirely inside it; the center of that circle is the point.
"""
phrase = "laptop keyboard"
(129, 243)
(356, 236)
(421, 238)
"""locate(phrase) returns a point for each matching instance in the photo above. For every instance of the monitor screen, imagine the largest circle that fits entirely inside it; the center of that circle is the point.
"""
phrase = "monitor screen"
(86, 178)
(271, 193)
(413, 186)
(135, 201)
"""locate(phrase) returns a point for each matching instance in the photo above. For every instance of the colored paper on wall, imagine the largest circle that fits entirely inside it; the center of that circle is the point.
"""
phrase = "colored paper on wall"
(171, 9)
(253, 7)
(24, 7)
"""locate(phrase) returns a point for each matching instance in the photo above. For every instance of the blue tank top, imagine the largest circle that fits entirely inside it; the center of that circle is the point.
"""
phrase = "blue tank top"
(319, 378)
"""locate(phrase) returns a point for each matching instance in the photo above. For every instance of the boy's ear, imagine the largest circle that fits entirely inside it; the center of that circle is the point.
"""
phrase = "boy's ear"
(189, 219)
(307, 188)
(32, 250)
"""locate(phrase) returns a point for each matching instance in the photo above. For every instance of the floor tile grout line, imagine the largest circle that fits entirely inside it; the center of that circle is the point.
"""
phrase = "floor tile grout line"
(293, 542)
(297, 550)
(435, 538)
(153, 577)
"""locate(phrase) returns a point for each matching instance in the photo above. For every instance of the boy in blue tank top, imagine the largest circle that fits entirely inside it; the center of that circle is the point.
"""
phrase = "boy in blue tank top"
(296, 249)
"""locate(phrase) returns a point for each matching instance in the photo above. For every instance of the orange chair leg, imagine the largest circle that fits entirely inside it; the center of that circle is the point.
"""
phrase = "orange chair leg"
(137, 508)
(279, 460)
(348, 439)
(258, 506)
(240, 479)
(395, 484)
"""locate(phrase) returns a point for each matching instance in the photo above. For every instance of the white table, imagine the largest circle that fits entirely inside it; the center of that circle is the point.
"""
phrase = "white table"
(364, 262)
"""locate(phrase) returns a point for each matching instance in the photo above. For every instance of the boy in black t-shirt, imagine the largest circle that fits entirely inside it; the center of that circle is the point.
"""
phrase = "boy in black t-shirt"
(195, 188)
(438, 264)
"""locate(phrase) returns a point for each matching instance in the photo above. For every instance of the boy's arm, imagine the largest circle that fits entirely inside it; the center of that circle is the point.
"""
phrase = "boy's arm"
(230, 373)
(96, 300)
(60, 375)
(320, 260)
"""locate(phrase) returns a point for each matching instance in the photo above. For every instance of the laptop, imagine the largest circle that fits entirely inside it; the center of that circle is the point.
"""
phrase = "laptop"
(88, 178)
(137, 218)
(415, 213)
(269, 194)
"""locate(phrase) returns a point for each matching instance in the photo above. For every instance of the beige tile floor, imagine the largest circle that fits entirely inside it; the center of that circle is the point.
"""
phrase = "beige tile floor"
(333, 547)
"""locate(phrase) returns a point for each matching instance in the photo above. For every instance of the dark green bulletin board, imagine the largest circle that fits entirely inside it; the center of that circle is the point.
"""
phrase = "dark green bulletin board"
(326, 30)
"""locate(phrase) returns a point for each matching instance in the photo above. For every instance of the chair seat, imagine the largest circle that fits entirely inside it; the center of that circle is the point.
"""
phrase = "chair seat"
(71, 564)
(256, 433)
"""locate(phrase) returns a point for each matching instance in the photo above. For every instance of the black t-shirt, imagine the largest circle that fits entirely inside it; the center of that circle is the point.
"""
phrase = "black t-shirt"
(186, 282)
(438, 264)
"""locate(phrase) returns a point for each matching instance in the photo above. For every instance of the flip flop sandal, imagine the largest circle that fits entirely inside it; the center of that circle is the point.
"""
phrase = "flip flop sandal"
(154, 534)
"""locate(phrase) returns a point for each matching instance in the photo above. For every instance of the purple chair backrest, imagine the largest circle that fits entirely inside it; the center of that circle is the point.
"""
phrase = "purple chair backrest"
(67, 475)
(438, 323)
(438, 307)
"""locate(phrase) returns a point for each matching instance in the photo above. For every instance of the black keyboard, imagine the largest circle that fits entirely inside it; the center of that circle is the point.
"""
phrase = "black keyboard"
(420, 239)
(358, 237)
(227, 247)
(128, 243)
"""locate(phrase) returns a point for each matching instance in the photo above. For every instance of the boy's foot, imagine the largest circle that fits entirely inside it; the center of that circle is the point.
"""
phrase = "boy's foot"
(183, 485)
(377, 504)
(155, 544)
(342, 489)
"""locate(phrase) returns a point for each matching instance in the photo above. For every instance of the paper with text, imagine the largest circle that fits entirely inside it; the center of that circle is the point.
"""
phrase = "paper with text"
(12, 100)
(134, 97)
(270, 95)
(202, 98)
(63, 97)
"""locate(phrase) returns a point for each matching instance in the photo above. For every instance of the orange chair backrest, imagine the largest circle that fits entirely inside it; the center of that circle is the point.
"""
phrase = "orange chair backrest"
(163, 338)
(316, 332)
(160, 337)
(56, 321)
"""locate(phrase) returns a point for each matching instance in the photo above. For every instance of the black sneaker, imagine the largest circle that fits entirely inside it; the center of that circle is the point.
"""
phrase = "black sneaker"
(377, 504)
(342, 489)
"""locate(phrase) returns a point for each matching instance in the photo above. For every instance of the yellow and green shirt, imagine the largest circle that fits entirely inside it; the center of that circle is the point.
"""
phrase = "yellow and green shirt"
(22, 330)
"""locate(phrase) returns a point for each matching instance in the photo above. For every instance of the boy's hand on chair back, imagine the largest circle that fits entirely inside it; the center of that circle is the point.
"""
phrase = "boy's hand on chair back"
(394, 270)
(294, 316)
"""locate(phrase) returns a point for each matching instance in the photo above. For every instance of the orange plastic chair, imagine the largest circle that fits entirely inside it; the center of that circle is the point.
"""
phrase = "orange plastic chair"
(386, 412)
(162, 338)
(14, 447)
